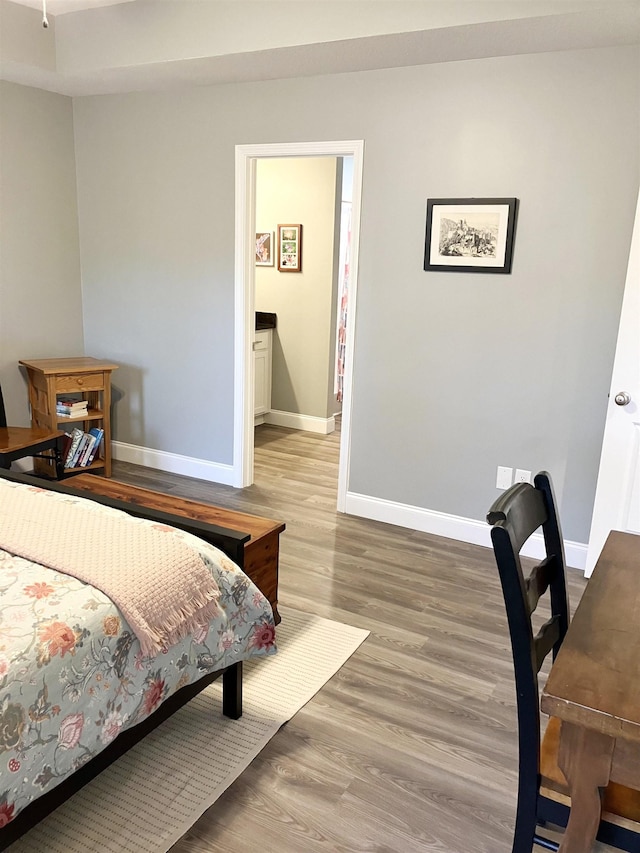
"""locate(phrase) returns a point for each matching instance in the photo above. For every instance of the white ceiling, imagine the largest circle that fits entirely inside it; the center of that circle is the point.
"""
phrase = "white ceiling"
(59, 7)
(143, 45)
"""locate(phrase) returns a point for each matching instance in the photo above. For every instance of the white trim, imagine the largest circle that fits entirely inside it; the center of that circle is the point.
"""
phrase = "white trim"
(450, 526)
(246, 156)
(244, 322)
(308, 423)
(174, 463)
(347, 394)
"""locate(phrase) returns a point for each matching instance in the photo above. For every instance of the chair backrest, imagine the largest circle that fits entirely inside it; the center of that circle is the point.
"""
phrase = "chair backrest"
(3, 416)
(515, 516)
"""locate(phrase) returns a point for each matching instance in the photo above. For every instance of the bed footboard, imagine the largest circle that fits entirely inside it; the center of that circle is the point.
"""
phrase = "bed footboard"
(230, 541)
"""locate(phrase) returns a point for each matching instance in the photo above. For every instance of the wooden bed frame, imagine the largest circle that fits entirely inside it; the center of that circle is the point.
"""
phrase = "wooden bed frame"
(261, 546)
(232, 542)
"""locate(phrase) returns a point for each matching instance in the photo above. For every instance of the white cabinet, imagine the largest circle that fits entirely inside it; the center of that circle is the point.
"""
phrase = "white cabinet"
(262, 360)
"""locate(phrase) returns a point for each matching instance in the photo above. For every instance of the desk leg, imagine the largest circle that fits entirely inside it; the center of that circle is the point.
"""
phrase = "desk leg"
(585, 759)
(58, 461)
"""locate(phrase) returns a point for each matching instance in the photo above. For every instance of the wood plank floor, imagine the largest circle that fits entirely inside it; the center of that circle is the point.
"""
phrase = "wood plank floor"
(412, 745)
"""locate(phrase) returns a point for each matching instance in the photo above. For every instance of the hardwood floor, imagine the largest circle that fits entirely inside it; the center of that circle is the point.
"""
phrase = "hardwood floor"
(412, 745)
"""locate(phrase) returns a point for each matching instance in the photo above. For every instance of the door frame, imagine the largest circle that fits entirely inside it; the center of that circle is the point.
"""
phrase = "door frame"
(244, 326)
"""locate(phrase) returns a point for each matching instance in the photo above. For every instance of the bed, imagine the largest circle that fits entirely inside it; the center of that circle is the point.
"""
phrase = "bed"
(78, 685)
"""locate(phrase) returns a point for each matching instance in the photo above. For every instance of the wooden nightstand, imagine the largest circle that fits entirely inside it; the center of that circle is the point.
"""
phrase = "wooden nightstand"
(50, 378)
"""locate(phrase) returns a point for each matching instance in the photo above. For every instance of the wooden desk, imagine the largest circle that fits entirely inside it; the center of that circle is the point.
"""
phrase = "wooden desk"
(594, 688)
(261, 552)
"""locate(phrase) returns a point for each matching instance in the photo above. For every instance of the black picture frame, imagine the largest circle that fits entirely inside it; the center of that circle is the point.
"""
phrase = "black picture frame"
(470, 234)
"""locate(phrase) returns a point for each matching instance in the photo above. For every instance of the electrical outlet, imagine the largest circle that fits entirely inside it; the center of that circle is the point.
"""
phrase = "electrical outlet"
(522, 476)
(504, 478)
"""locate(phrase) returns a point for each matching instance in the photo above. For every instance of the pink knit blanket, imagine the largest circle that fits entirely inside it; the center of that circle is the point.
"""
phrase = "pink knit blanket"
(160, 583)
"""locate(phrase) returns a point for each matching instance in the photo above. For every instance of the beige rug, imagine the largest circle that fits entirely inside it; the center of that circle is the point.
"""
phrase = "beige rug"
(151, 796)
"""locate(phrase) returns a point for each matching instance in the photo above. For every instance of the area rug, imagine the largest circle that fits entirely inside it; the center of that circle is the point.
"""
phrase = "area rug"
(151, 796)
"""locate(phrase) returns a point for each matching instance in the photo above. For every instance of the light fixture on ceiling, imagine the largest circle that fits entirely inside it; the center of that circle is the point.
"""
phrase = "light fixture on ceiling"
(45, 22)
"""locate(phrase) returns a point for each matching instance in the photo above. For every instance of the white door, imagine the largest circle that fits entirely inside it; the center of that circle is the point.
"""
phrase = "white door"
(617, 503)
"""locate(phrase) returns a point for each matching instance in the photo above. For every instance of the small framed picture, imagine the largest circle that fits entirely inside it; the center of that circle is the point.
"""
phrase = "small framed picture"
(470, 234)
(290, 248)
(264, 248)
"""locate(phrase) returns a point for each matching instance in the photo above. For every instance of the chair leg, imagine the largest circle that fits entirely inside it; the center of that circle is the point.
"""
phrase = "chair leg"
(526, 814)
(524, 833)
(57, 456)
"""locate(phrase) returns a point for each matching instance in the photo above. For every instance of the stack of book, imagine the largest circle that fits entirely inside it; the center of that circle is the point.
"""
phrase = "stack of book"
(70, 408)
(81, 447)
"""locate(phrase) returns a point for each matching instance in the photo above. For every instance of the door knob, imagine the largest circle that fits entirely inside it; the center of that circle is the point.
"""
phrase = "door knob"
(622, 398)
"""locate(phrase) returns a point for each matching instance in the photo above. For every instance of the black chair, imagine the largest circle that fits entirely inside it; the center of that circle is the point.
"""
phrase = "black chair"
(542, 789)
(20, 442)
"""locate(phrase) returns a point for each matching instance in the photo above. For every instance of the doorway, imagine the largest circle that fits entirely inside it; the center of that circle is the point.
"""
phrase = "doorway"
(246, 158)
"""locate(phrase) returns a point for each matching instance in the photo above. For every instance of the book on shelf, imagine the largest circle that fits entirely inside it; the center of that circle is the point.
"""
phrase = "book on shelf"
(76, 438)
(66, 446)
(67, 403)
(75, 414)
(72, 404)
(86, 450)
(96, 434)
(83, 447)
(75, 462)
(70, 401)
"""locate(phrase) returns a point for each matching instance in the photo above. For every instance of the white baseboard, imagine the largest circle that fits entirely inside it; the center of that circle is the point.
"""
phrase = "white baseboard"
(174, 463)
(450, 526)
(403, 515)
(304, 422)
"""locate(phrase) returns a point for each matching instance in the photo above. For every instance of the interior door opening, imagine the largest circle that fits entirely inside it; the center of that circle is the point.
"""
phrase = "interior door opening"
(301, 313)
(342, 337)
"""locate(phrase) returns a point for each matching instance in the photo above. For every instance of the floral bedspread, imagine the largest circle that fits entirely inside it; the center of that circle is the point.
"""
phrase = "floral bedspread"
(72, 675)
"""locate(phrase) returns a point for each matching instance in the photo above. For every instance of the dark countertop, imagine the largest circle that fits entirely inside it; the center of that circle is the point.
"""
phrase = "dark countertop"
(265, 320)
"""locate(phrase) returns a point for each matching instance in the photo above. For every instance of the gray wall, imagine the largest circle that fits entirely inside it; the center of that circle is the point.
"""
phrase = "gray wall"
(454, 374)
(40, 297)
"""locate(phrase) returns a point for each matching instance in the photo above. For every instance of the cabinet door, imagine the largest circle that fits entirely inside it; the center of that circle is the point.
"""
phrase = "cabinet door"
(261, 384)
(262, 361)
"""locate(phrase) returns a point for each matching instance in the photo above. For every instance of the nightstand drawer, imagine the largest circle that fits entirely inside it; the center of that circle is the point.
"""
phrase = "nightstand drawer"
(79, 382)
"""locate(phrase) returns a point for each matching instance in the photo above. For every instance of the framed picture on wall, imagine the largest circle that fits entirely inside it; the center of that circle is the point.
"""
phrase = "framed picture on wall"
(264, 248)
(290, 248)
(470, 234)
